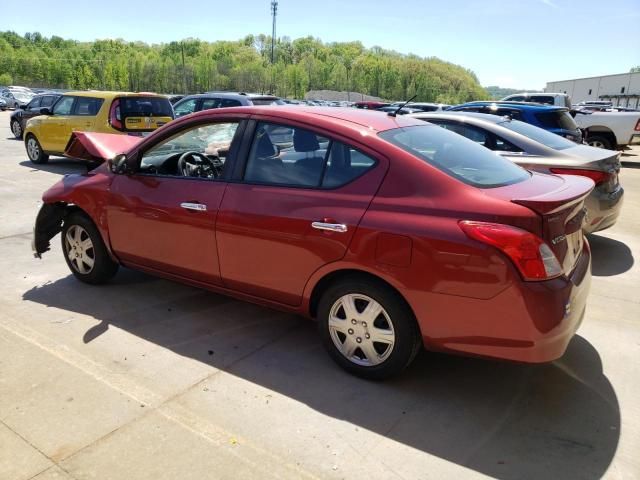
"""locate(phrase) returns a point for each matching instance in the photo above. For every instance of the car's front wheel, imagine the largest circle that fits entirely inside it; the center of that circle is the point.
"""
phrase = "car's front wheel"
(16, 129)
(34, 150)
(84, 250)
(368, 329)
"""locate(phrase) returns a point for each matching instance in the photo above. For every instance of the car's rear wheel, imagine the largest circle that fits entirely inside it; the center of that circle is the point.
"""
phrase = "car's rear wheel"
(34, 150)
(16, 129)
(367, 328)
(85, 252)
(599, 142)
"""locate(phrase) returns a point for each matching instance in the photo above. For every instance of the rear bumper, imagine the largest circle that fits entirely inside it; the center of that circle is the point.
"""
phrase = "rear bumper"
(531, 322)
(603, 210)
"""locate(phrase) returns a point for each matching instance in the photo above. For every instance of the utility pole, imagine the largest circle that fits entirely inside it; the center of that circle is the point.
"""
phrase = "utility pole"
(274, 13)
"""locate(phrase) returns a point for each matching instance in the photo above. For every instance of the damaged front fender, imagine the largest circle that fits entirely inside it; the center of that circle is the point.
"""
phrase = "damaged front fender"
(48, 225)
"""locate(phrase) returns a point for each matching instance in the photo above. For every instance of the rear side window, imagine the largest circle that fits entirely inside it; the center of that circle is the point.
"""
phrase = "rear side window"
(556, 119)
(456, 156)
(145, 107)
(209, 103)
(229, 102)
(87, 106)
(48, 101)
(298, 157)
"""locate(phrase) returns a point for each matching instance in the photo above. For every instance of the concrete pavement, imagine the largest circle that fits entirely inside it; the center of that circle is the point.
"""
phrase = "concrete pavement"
(149, 379)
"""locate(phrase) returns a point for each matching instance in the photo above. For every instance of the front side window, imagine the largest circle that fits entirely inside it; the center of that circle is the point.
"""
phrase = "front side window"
(35, 103)
(297, 157)
(87, 106)
(185, 108)
(229, 102)
(199, 152)
(209, 103)
(63, 107)
(456, 156)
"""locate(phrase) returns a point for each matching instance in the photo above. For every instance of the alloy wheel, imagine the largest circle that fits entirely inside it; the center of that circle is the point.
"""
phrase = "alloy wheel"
(79, 249)
(33, 149)
(361, 329)
(16, 129)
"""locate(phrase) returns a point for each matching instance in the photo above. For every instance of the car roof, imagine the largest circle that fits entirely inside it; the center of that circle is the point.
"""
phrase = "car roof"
(371, 120)
(515, 105)
(107, 95)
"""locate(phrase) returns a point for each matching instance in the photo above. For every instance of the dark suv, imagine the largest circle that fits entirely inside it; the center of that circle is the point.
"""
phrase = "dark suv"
(557, 120)
(19, 118)
(209, 100)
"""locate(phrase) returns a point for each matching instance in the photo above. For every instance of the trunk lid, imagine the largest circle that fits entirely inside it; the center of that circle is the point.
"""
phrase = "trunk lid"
(559, 202)
(598, 159)
(99, 147)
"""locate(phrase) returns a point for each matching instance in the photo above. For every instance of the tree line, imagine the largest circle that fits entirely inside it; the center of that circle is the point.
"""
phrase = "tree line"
(192, 65)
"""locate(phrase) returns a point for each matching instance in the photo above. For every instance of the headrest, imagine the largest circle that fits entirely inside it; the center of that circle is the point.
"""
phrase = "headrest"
(265, 147)
(305, 141)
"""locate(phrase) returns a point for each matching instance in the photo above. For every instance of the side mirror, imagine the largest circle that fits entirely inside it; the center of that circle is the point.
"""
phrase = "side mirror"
(46, 111)
(118, 164)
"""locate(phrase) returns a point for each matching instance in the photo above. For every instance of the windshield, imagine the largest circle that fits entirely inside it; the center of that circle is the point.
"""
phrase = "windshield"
(456, 155)
(545, 137)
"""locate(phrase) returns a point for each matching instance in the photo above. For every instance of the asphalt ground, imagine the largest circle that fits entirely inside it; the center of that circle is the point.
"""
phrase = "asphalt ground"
(149, 379)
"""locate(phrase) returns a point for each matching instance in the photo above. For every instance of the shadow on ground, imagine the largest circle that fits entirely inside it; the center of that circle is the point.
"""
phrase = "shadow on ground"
(59, 165)
(608, 256)
(509, 421)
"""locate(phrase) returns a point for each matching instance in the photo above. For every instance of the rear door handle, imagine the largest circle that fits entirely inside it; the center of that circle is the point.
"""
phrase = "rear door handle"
(331, 227)
(197, 207)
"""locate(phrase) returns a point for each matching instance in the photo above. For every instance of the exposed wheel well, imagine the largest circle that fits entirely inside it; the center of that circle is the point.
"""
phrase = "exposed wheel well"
(602, 132)
(339, 275)
(49, 223)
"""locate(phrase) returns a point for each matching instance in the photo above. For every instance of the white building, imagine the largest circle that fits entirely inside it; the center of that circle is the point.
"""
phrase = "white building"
(623, 89)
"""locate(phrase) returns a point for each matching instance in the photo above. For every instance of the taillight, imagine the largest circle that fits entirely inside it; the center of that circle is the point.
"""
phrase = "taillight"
(637, 127)
(530, 254)
(115, 119)
(597, 176)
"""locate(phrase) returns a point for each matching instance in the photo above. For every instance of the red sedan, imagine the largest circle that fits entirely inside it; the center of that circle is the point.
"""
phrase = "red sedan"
(391, 232)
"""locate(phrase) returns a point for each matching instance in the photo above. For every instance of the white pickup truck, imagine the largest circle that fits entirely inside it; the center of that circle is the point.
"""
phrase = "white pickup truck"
(611, 130)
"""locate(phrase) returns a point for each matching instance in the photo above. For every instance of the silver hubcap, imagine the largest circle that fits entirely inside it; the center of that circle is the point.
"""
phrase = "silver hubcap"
(361, 329)
(32, 149)
(16, 129)
(79, 249)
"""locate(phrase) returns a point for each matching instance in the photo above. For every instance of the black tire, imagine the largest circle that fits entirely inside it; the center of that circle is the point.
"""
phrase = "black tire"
(16, 129)
(34, 150)
(102, 268)
(407, 338)
(599, 141)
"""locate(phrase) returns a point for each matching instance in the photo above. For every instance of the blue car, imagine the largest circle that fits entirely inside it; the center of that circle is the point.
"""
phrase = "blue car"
(554, 119)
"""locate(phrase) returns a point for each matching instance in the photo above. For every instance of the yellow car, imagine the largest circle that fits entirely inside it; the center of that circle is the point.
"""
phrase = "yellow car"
(105, 112)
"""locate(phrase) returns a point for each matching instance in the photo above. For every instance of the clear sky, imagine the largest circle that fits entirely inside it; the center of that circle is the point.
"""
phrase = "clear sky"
(510, 43)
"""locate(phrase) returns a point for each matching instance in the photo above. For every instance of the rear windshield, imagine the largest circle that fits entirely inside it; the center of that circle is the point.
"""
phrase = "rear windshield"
(556, 119)
(545, 137)
(145, 107)
(456, 155)
(542, 99)
(267, 101)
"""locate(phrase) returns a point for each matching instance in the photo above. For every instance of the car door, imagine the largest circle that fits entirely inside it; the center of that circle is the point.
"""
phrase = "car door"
(32, 109)
(54, 130)
(163, 218)
(291, 209)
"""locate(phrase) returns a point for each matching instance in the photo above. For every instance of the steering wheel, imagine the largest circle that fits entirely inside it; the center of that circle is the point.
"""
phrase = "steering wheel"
(196, 164)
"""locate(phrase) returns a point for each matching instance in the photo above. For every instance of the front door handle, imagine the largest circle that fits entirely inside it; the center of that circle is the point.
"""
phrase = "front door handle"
(331, 227)
(197, 207)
